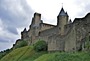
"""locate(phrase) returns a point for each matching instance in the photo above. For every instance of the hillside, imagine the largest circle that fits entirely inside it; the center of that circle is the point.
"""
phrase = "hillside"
(22, 54)
(28, 54)
(79, 56)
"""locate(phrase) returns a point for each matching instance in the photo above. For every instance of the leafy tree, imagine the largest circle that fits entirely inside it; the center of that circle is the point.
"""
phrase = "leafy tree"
(40, 46)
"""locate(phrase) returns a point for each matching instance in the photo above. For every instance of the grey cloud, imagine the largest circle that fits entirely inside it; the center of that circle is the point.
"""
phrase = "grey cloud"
(4, 40)
(14, 14)
(5, 36)
(12, 30)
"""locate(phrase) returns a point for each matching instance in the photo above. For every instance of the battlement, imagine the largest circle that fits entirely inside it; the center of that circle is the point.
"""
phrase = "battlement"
(37, 14)
(65, 36)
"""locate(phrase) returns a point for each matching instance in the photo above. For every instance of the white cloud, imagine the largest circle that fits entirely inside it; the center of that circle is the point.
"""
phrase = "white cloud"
(50, 8)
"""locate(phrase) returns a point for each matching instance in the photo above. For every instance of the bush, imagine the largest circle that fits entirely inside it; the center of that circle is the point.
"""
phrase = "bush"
(3, 53)
(21, 44)
(40, 46)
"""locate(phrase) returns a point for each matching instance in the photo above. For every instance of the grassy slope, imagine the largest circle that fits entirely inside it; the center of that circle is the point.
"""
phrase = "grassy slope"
(28, 54)
(80, 56)
(22, 54)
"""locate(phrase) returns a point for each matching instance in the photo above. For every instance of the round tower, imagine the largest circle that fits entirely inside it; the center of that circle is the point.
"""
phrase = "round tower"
(62, 20)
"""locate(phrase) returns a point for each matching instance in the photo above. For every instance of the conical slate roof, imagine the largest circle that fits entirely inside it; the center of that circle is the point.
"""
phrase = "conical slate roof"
(66, 13)
(70, 21)
(63, 13)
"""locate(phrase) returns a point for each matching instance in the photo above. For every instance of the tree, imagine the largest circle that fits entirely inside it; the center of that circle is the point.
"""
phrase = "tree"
(40, 46)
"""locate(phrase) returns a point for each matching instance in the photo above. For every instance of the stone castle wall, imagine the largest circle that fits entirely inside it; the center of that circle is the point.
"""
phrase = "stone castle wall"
(44, 26)
(62, 37)
(63, 43)
(46, 33)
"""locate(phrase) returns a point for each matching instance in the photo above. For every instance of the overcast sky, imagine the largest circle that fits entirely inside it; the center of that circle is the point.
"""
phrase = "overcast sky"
(15, 15)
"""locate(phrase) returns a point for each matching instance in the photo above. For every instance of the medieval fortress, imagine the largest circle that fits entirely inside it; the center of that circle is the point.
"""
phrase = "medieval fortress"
(65, 36)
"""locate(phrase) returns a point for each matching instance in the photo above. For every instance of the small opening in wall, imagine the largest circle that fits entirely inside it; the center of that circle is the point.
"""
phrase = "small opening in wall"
(39, 33)
(73, 48)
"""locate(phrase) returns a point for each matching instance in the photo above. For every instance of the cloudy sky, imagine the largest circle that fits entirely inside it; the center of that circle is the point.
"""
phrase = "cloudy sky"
(15, 15)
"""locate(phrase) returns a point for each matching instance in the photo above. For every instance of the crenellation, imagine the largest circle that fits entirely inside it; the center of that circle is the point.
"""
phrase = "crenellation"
(65, 36)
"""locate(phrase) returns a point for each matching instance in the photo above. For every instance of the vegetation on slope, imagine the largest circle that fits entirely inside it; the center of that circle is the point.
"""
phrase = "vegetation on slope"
(37, 52)
(80, 56)
(20, 43)
(28, 54)
(40, 46)
(61, 56)
(22, 54)
(3, 53)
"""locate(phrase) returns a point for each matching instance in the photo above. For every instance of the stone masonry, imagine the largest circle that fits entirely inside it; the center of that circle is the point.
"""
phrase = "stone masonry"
(65, 36)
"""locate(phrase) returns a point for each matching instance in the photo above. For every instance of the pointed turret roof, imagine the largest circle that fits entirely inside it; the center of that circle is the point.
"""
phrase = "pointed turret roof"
(66, 13)
(62, 12)
(70, 21)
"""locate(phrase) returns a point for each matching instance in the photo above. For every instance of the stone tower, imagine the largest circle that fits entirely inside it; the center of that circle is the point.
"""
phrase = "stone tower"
(65, 36)
(35, 26)
(62, 20)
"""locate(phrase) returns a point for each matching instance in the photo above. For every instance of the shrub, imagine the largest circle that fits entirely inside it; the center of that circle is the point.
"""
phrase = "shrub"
(21, 44)
(40, 46)
(3, 53)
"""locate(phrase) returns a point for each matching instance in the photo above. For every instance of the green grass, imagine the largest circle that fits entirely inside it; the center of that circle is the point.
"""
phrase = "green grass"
(29, 54)
(22, 54)
(79, 56)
